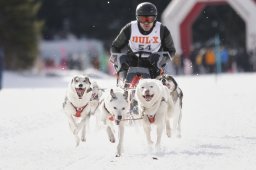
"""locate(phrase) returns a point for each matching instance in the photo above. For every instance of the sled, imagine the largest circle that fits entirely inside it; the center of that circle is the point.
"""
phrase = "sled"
(134, 74)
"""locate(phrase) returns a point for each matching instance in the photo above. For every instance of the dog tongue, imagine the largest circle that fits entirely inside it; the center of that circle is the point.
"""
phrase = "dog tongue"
(80, 92)
(148, 97)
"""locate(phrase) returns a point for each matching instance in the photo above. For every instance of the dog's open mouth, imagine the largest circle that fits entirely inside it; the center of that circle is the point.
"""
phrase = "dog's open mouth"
(148, 97)
(80, 92)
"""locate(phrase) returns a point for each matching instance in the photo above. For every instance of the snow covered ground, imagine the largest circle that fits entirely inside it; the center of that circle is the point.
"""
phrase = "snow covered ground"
(218, 128)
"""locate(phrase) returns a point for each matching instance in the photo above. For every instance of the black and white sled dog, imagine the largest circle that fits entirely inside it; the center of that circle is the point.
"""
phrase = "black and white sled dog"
(114, 109)
(177, 95)
(77, 105)
(95, 98)
(155, 106)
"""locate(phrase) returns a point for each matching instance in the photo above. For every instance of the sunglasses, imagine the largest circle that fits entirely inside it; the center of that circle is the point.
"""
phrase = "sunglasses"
(143, 19)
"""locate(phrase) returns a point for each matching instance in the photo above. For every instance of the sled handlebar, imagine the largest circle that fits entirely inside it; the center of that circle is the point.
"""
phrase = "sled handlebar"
(141, 54)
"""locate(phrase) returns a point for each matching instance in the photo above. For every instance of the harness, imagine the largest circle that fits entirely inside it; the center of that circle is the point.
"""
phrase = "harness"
(110, 117)
(79, 110)
(96, 107)
(151, 118)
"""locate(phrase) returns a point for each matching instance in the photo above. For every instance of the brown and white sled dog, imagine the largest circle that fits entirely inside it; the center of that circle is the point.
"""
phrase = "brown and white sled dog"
(155, 106)
(77, 105)
(114, 110)
(177, 95)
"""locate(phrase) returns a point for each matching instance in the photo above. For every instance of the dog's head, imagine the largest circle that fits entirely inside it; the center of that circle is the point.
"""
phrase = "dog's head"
(148, 90)
(117, 104)
(168, 81)
(96, 91)
(80, 84)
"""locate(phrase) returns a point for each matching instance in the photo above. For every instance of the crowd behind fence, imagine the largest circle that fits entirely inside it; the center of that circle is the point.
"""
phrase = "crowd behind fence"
(211, 60)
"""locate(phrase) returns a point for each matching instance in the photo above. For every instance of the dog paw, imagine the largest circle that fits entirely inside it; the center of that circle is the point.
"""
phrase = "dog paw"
(150, 142)
(83, 139)
(158, 148)
(77, 144)
(168, 134)
(178, 135)
(75, 131)
(77, 141)
(112, 140)
(150, 149)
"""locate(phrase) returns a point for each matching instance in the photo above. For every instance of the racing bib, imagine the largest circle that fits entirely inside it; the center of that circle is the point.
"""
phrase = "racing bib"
(149, 43)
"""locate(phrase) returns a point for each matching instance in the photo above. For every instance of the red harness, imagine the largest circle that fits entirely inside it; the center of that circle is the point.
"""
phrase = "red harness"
(79, 110)
(110, 116)
(135, 81)
(151, 119)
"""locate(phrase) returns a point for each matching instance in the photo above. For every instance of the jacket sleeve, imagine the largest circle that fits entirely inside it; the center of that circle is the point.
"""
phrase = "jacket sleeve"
(122, 39)
(167, 42)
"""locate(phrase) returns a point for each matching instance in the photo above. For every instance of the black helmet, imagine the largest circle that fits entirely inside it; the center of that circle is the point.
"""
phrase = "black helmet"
(146, 9)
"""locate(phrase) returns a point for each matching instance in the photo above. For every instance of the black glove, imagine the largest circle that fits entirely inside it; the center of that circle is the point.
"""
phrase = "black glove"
(113, 58)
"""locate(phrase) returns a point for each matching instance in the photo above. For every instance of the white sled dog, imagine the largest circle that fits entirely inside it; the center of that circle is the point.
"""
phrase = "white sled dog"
(155, 106)
(114, 110)
(177, 95)
(77, 105)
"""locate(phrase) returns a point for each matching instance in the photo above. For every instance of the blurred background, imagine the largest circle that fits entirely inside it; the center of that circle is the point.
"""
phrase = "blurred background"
(45, 36)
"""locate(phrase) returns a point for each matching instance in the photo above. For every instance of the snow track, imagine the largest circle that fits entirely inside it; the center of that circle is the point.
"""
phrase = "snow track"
(218, 129)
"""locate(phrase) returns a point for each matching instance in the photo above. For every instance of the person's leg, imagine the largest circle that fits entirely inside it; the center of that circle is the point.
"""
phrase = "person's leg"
(122, 75)
(155, 65)
(122, 65)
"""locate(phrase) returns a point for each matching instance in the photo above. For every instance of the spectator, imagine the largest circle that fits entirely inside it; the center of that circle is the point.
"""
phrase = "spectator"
(224, 59)
(252, 53)
(177, 64)
(210, 60)
(192, 57)
(199, 67)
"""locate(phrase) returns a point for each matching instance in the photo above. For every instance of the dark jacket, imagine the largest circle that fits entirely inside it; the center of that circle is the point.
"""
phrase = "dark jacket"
(122, 40)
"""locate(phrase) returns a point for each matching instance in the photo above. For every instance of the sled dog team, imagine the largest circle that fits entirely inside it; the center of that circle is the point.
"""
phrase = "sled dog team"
(159, 104)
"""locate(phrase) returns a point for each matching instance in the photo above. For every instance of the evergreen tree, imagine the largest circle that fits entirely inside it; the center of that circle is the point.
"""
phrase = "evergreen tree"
(19, 32)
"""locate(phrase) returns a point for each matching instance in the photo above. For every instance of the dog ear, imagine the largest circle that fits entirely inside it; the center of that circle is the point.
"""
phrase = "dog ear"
(174, 82)
(88, 90)
(125, 94)
(87, 80)
(95, 85)
(73, 79)
(113, 95)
